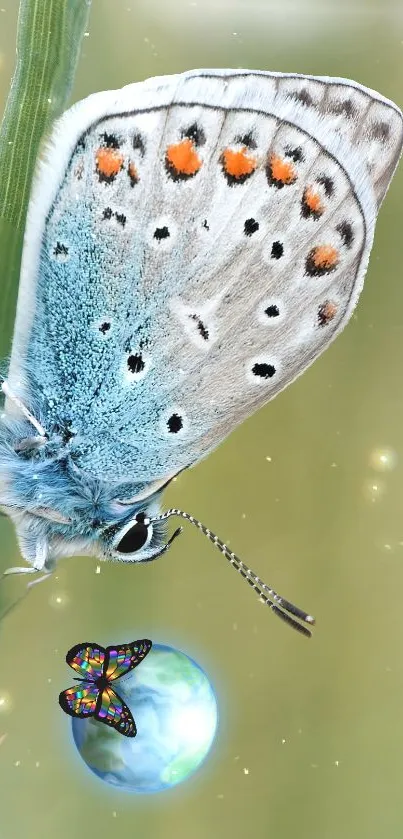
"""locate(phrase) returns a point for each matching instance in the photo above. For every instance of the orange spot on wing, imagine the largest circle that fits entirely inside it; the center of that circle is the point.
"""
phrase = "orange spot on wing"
(238, 164)
(326, 312)
(312, 201)
(281, 171)
(109, 162)
(182, 159)
(325, 256)
(321, 260)
(133, 173)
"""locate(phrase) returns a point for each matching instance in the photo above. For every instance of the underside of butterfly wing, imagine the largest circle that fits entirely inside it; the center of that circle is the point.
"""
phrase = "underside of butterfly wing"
(207, 239)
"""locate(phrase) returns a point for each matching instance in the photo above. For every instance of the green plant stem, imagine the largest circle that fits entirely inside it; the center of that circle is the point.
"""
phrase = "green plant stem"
(48, 46)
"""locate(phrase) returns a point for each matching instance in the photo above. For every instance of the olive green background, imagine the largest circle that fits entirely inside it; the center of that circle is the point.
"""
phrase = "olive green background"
(310, 741)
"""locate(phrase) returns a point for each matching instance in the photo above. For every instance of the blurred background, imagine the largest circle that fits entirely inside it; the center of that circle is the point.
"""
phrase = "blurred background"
(308, 492)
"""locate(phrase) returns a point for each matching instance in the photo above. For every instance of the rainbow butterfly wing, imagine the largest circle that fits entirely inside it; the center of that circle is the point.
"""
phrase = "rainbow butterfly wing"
(124, 657)
(112, 711)
(88, 659)
(80, 700)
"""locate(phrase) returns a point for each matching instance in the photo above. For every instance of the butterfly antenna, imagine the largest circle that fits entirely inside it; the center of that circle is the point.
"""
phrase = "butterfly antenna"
(281, 607)
(166, 547)
(20, 405)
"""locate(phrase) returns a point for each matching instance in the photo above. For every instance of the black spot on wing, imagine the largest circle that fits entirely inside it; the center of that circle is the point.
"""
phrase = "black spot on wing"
(277, 250)
(194, 132)
(345, 229)
(251, 226)
(175, 423)
(110, 141)
(327, 183)
(60, 251)
(302, 96)
(135, 363)
(201, 327)
(263, 370)
(161, 233)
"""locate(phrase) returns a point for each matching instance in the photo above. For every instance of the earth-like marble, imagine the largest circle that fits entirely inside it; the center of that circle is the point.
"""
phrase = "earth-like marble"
(175, 710)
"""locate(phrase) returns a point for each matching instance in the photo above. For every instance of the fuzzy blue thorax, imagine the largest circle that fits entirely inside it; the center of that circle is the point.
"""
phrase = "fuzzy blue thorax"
(54, 503)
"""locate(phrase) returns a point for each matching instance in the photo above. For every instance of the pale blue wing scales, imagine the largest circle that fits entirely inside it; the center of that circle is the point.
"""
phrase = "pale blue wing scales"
(152, 294)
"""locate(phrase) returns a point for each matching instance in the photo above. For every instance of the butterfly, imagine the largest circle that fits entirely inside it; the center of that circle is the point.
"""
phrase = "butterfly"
(99, 668)
(193, 243)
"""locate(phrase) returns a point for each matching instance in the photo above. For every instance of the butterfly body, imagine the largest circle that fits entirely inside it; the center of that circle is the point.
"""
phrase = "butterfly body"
(193, 243)
(99, 668)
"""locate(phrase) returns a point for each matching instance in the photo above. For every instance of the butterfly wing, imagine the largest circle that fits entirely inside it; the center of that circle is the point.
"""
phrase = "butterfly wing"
(123, 658)
(80, 700)
(204, 238)
(88, 659)
(112, 711)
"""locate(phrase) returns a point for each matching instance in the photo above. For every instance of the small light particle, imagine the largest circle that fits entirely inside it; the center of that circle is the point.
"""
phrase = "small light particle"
(283, 741)
(268, 459)
(383, 459)
(17, 763)
(98, 569)
(59, 600)
(5, 702)
(374, 490)
(336, 763)
(37, 764)
(245, 771)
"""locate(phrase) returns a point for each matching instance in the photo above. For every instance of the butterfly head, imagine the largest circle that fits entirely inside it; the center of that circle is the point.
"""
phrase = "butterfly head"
(126, 535)
(58, 510)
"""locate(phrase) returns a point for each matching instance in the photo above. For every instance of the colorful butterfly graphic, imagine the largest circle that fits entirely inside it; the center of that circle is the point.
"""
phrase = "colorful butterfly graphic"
(99, 668)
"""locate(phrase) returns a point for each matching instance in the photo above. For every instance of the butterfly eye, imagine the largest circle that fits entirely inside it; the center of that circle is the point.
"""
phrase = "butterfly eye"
(136, 536)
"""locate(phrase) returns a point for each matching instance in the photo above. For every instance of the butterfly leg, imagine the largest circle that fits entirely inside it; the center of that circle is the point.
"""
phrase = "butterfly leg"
(31, 570)
(47, 567)
(42, 563)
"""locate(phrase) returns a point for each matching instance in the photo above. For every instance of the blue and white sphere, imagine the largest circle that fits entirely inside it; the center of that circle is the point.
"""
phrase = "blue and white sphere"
(175, 710)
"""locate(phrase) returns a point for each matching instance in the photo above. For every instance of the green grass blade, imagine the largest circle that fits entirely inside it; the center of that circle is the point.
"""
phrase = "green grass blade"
(48, 46)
